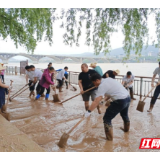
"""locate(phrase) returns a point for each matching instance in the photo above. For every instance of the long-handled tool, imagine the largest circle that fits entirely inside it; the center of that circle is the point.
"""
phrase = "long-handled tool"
(15, 95)
(77, 95)
(4, 108)
(74, 87)
(141, 104)
(18, 90)
(65, 136)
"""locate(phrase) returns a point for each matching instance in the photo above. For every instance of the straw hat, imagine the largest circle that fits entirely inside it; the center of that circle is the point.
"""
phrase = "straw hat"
(117, 71)
(93, 64)
(1, 67)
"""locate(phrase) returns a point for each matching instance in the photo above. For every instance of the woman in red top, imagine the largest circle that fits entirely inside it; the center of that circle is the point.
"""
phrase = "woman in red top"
(45, 82)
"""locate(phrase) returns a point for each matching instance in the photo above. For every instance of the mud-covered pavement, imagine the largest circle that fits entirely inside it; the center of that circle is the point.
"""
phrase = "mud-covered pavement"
(45, 122)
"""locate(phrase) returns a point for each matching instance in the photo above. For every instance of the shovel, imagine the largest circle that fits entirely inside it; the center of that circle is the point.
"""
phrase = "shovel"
(77, 95)
(56, 97)
(141, 104)
(65, 136)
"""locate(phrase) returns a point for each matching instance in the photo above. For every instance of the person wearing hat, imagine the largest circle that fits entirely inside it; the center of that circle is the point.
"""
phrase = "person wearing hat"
(2, 94)
(2, 73)
(96, 68)
(111, 74)
(157, 90)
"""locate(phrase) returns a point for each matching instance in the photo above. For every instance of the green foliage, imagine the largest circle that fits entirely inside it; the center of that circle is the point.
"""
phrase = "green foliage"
(27, 26)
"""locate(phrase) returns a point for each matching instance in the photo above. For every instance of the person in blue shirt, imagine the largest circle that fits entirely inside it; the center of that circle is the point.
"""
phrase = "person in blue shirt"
(97, 68)
(66, 76)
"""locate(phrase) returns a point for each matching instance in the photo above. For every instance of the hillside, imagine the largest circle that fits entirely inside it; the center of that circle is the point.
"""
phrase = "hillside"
(120, 51)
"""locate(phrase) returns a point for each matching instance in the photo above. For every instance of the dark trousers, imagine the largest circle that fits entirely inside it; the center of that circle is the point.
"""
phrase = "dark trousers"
(42, 89)
(2, 78)
(156, 94)
(118, 106)
(31, 88)
(60, 83)
(66, 76)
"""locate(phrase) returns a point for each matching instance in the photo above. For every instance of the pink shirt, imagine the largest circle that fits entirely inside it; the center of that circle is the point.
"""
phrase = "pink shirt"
(2, 72)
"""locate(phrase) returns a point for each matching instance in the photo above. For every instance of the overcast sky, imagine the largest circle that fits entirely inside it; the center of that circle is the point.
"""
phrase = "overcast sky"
(59, 48)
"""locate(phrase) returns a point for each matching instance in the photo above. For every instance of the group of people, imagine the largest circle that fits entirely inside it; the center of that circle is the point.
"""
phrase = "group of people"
(45, 80)
(101, 86)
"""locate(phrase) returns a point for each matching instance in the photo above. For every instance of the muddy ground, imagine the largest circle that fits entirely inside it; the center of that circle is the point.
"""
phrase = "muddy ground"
(45, 122)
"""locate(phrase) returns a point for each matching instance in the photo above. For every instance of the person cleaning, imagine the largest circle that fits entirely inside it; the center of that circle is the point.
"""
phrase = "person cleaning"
(2, 73)
(120, 103)
(45, 82)
(85, 83)
(127, 82)
(96, 68)
(157, 90)
(2, 95)
(111, 73)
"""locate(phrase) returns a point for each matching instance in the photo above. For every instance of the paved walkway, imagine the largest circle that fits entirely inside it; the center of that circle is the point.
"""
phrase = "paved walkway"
(13, 140)
(45, 122)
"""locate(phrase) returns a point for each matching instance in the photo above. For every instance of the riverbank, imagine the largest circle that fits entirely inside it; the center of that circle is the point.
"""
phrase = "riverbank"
(45, 122)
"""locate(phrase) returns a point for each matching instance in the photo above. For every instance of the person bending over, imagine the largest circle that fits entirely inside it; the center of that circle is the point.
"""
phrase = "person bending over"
(120, 103)
(111, 74)
(127, 82)
(60, 77)
(45, 82)
(157, 90)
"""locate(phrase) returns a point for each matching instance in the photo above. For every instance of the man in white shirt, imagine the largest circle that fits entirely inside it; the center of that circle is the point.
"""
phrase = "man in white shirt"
(121, 102)
(29, 75)
(157, 90)
(127, 82)
(60, 77)
(37, 75)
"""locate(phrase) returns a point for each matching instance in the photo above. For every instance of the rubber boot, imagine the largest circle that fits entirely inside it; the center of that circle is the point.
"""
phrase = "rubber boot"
(5, 115)
(150, 108)
(126, 126)
(108, 131)
(86, 107)
(99, 109)
(4, 108)
(47, 96)
(60, 89)
(38, 96)
(131, 93)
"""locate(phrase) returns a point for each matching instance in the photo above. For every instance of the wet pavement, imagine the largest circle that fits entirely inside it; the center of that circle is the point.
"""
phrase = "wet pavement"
(45, 122)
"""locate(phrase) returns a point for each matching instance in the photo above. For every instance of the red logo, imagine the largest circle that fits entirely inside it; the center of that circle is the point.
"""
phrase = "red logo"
(150, 143)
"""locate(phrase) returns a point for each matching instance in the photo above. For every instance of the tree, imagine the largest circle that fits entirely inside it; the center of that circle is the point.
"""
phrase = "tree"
(27, 26)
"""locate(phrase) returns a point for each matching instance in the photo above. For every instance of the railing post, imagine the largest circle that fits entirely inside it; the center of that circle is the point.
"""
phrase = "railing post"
(141, 87)
(6, 69)
(69, 78)
(16, 70)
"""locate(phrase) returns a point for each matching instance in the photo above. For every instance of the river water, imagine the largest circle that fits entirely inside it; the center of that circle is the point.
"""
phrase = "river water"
(138, 69)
